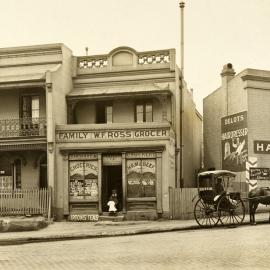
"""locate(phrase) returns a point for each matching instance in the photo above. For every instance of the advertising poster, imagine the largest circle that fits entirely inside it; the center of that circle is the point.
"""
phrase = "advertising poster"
(234, 142)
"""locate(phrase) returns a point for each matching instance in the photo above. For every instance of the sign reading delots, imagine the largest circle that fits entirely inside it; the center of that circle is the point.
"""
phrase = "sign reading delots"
(234, 142)
(159, 133)
(262, 147)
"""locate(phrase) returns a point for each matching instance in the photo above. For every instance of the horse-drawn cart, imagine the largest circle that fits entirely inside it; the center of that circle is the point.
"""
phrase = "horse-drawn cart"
(217, 202)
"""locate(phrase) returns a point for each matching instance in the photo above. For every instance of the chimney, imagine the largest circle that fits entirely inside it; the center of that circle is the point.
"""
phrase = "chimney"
(227, 73)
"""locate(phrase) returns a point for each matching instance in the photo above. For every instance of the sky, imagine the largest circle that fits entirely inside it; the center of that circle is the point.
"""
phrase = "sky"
(216, 31)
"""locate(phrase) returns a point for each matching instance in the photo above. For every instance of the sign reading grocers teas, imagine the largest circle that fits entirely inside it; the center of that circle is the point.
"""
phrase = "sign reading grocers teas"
(234, 142)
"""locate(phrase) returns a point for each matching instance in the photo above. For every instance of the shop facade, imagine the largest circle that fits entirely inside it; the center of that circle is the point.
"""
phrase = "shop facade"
(236, 124)
(84, 126)
(140, 171)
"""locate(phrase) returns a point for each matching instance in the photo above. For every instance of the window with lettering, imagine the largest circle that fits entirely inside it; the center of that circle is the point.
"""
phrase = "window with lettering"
(83, 177)
(141, 178)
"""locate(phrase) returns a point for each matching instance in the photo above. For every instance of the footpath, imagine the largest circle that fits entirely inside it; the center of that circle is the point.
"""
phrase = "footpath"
(66, 230)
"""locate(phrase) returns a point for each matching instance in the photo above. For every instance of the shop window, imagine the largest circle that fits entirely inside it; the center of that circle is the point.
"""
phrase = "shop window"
(141, 178)
(6, 179)
(10, 175)
(144, 112)
(83, 178)
(104, 113)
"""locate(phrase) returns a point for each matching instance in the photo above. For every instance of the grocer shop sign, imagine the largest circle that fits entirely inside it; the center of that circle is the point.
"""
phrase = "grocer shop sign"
(112, 134)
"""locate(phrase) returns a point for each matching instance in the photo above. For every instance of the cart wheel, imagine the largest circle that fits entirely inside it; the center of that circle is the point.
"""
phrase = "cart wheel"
(205, 214)
(231, 212)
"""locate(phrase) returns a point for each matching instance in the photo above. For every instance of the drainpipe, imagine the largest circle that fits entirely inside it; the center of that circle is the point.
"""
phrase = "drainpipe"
(50, 136)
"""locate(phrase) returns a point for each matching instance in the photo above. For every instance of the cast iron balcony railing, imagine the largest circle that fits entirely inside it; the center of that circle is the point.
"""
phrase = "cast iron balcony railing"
(23, 127)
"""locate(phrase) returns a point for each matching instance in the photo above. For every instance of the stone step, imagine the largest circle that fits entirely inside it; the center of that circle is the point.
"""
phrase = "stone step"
(108, 214)
(111, 218)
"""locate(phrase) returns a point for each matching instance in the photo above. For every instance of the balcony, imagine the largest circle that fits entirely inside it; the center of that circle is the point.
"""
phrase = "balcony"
(23, 127)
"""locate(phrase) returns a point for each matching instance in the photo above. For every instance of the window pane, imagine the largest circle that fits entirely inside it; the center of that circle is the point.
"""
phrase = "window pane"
(35, 107)
(6, 182)
(100, 113)
(148, 177)
(76, 178)
(83, 178)
(109, 114)
(26, 106)
(148, 113)
(139, 113)
(91, 179)
(134, 178)
(141, 178)
(6, 179)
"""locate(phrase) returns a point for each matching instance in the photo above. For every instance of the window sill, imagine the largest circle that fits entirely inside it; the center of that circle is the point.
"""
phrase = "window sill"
(145, 199)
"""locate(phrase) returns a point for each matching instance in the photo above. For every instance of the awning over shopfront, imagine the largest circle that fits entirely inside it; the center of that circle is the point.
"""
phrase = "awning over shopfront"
(23, 145)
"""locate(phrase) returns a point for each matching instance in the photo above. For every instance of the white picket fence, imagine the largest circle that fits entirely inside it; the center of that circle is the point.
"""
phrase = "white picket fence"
(25, 202)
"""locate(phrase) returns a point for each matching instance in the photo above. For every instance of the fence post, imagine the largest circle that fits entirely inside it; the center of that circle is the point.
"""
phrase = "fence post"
(170, 203)
(49, 203)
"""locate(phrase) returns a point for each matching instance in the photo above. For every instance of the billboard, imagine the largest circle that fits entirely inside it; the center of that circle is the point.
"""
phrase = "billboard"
(234, 142)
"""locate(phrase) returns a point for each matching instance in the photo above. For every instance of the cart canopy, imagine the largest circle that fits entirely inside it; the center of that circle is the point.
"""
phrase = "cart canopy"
(217, 173)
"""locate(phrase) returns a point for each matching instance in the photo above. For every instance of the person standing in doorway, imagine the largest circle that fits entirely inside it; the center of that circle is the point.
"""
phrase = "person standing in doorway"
(113, 202)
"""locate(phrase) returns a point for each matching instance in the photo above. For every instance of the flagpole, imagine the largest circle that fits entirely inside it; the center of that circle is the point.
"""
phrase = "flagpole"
(181, 161)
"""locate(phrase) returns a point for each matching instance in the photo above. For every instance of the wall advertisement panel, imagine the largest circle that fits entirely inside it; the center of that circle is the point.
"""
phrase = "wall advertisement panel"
(234, 142)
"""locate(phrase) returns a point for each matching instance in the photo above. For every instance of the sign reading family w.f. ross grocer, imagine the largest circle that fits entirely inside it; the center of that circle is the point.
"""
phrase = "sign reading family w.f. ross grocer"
(234, 142)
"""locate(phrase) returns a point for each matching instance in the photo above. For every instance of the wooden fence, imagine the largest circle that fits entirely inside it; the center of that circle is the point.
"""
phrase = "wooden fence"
(181, 204)
(25, 202)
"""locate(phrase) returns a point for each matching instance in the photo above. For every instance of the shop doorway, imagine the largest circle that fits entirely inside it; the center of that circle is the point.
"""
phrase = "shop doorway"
(111, 179)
